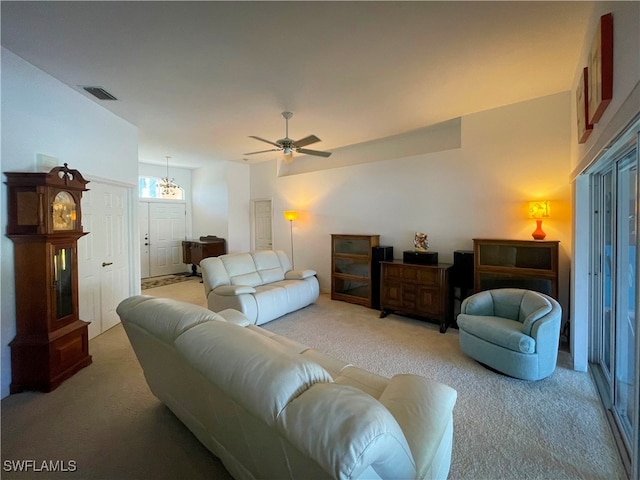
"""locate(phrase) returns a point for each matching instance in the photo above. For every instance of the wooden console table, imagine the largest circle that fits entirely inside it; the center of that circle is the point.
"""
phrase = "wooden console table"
(422, 290)
(195, 250)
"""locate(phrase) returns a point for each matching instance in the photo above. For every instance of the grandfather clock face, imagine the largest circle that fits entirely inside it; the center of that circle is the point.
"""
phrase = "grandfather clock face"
(63, 211)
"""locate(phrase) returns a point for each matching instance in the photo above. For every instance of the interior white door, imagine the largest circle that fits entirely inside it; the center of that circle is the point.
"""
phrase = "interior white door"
(167, 230)
(262, 225)
(103, 256)
(143, 227)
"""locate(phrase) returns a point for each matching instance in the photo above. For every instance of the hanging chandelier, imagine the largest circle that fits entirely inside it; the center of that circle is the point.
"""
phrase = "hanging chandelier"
(168, 186)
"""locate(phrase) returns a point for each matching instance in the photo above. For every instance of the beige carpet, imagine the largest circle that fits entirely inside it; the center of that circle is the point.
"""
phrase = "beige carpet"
(105, 419)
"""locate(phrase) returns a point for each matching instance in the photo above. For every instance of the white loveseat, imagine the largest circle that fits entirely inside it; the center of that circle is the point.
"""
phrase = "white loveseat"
(260, 284)
(272, 408)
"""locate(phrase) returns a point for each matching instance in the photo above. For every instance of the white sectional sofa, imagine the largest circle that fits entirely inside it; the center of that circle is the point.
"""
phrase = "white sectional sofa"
(272, 408)
(260, 284)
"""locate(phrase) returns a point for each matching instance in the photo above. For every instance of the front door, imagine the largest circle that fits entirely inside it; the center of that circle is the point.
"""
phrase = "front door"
(103, 256)
(167, 230)
(143, 227)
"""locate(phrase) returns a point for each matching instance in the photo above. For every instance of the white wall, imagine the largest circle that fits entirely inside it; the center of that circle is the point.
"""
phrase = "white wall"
(221, 203)
(509, 155)
(626, 75)
(41, 115)
(624, 105)
(239, 207)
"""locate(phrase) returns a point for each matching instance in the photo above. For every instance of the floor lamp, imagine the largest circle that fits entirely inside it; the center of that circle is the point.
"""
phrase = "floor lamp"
(291, 215)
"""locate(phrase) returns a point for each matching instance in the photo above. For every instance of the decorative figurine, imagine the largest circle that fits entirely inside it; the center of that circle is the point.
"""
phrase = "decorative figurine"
(420, 242)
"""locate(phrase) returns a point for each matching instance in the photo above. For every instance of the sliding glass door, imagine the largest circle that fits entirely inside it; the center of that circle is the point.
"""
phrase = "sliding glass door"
(625, 319)
(614, 288)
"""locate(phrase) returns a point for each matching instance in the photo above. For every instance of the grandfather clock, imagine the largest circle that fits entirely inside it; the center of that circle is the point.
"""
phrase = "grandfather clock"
(45, 222)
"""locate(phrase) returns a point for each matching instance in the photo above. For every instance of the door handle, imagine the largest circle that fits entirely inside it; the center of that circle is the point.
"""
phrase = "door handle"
(105, 264)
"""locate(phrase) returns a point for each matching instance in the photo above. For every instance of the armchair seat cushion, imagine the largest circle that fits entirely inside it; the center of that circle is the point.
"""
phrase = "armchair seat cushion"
(499, 331)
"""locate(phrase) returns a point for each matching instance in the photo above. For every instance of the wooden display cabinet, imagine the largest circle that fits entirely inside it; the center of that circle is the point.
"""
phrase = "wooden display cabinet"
(530, 264)
(351, 264)
(51, 341)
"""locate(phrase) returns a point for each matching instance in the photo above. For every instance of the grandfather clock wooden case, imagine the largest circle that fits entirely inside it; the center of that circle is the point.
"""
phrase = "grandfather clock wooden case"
(45, 222)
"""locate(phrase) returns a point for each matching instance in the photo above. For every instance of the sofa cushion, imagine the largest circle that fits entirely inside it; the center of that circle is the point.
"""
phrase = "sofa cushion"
(272, 301)
(164, 318)
(214, 273)
(499, 331)
(268, 266)
(241, 269)
(257, 373)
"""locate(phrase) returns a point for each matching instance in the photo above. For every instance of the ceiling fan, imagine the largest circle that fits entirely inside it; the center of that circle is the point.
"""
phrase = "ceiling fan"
(288, 146)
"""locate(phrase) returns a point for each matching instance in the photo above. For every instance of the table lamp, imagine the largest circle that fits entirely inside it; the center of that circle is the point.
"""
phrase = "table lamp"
(539, 210)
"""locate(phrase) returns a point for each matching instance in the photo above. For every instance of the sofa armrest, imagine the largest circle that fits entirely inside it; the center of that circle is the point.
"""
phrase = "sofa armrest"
(234, 316)
(346, 432)
(231, 290)
(299, 274)
(423, 408)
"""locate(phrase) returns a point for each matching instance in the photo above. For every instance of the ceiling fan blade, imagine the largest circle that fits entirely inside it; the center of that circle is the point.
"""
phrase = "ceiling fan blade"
(303, 142)
(264, 151)
(266, 141)
(313, 152)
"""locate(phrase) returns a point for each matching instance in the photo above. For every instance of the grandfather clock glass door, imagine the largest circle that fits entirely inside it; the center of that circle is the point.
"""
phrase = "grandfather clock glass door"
(63, 258)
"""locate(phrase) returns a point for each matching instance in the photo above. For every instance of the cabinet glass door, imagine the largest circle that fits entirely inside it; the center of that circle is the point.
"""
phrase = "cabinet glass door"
(352, 246)
(358, 267)
(63, 281)
(516, 256)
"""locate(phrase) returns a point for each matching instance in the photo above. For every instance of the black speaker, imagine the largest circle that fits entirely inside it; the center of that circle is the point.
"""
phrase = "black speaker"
(420, 258)
(462, 272)
(378, 254)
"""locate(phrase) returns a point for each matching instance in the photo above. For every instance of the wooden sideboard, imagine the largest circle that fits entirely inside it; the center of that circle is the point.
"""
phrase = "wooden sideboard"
(530, 264)
(421, 290)
(195, 250)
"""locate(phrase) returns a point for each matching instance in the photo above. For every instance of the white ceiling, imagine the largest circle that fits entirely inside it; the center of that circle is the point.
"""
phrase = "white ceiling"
(197, 78)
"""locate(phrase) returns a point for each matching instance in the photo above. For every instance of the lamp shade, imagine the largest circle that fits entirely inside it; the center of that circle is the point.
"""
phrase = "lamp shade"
(540, 209)
(290, 215)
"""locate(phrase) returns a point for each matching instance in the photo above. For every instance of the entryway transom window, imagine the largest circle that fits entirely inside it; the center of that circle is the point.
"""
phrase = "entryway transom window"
(151, 187)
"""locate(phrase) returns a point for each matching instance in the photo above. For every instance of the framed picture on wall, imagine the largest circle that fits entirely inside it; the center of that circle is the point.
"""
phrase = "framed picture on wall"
(582, 107)
(600, 84)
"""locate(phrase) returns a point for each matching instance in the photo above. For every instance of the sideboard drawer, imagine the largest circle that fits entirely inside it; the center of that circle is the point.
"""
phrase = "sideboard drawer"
(428, 277)
(421, 290)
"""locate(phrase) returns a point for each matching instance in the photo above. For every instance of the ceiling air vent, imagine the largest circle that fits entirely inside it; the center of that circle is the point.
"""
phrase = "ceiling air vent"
(100, 93)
